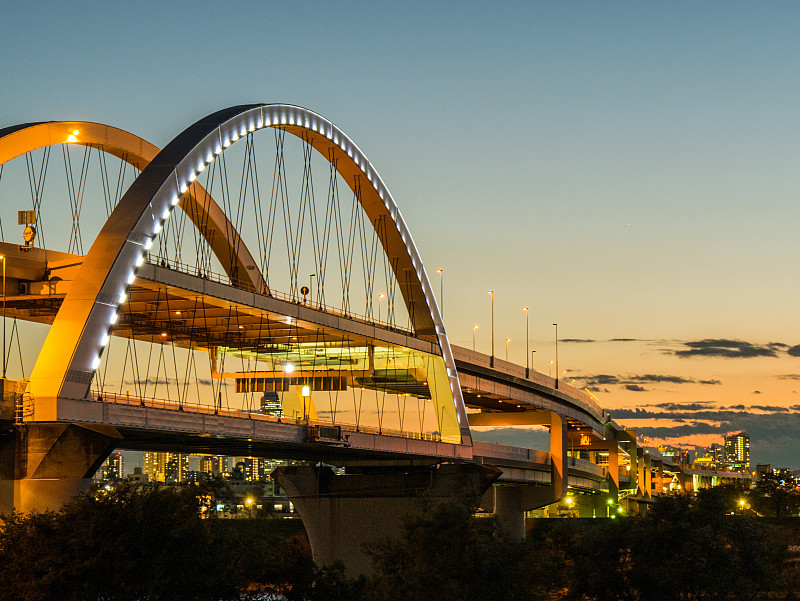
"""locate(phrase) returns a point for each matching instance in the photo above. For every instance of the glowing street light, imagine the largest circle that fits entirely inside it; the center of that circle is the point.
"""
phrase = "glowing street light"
(441, 292)
(491, 359)
(475, 327)
(381, 296)
(556, 325)
(507, 341)
(527, 344)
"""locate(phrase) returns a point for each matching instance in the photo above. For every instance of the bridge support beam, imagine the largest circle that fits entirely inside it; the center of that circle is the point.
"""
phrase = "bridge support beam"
(343, 512)
(44, 465)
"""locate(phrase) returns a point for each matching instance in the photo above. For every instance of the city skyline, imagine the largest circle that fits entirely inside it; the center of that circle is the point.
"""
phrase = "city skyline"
(626, 172)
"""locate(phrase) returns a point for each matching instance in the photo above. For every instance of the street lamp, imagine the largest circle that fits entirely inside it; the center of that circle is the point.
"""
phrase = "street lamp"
(310, 287)
(532, 352)
(527, 345)
(491, 359)
(381, 296)
(507, 341)
(556, 325)
(441, 292)
(550, 368)
(475, 327)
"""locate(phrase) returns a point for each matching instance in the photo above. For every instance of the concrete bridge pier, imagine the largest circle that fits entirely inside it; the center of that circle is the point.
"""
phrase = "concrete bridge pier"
(343, 512)
(511, 501)
(44, 465)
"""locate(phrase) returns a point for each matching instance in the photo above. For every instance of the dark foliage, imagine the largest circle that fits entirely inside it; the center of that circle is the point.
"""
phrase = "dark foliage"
(152, 544)
(131, 545)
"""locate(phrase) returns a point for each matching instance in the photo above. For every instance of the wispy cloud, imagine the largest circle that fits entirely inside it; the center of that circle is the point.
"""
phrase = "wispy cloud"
(724, 347)
(636, 380)
(635, 388)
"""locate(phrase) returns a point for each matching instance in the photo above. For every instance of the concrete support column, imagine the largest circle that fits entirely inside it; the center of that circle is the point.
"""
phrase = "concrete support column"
(509, 509)
(558, 454)
(634, 458)
(341, 513)
(613, 468)
(44, 465)
(648, 475)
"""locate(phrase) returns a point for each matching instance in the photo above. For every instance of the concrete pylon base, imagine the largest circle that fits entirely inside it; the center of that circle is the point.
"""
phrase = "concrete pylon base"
(44, 465)
(343, 512)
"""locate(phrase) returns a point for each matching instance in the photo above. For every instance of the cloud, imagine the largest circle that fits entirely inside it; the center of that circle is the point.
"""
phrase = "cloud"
(658, 378)
(789, 377)
(626, 340)
(723, 347)
(635, 388)
(601, 379)
(756, 392)
(608, 379)
(794, 351)
(577, 340)
(766, 425)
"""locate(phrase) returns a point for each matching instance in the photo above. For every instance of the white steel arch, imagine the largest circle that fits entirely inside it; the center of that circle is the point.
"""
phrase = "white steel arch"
(90, 308)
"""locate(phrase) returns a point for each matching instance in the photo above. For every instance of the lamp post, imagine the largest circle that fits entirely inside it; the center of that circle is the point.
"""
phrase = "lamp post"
(507, 341)
(527, 345)
(310, 287)
(491, 359)
(441, 292)
(556, 325)
(380, 298)
(550, 368)
(532, 352)
(474, 327)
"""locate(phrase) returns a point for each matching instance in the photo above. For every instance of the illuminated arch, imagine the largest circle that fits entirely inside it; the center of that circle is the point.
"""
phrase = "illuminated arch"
(206, 215)
(109, 268)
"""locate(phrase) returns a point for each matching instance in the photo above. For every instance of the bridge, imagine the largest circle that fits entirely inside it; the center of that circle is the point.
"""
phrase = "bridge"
(247, 292)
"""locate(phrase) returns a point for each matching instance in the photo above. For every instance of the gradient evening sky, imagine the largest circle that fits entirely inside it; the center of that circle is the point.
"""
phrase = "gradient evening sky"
(626, 170)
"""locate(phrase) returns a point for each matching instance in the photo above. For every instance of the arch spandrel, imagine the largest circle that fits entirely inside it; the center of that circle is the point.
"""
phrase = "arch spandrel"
(142, 211)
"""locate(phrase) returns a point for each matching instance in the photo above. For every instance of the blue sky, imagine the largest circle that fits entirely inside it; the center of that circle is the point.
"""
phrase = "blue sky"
(627, 170)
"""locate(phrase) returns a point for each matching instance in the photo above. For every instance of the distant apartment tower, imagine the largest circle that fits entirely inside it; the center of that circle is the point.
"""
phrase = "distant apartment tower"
(713, 457)
(112, 469)
(165, 467)
(116, 466)
(213, 465)
(737, 451)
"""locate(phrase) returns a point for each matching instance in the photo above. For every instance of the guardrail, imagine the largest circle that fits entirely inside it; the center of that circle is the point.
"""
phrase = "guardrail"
(256, 415)
(289, 298)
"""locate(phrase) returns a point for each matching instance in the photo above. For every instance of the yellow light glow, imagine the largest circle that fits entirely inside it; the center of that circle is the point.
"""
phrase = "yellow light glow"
(306, 391)
(71, 139)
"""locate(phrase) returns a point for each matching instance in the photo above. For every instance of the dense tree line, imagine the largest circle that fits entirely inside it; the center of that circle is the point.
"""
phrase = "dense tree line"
(130, 544)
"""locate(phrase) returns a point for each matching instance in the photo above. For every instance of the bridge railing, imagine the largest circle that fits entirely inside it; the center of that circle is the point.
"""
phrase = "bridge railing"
(290, 298)
(170, 405)
(477, 358)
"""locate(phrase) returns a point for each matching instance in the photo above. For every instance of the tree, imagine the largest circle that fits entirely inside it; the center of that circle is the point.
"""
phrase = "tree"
(448, 555)
(775, 497)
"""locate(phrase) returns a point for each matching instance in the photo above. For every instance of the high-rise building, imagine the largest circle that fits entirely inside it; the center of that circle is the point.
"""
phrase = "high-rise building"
(165, 467)
(713, 457)
(213, 465)
(153, 464)
(737, 451)
(116, 466)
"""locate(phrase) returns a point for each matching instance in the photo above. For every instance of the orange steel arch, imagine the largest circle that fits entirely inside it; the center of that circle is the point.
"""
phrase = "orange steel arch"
(89, 310)
(206, 215)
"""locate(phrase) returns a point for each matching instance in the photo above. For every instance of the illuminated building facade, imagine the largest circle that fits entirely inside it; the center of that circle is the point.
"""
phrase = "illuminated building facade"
(165, 467)
(737, 451)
